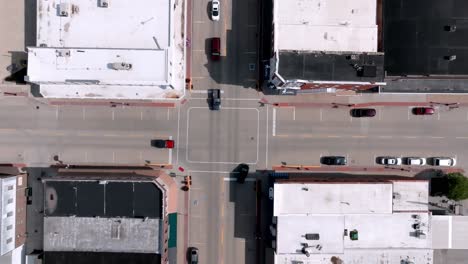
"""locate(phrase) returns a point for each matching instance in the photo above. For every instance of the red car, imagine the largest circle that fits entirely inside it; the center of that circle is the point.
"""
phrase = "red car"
(162, 143)
(215, 49)
(423, 111)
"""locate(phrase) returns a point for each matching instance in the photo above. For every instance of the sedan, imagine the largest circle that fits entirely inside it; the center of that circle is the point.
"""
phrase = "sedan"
(215, 10)
(389, 160)
(363, 112)
(423, 111)
(333, 160)
(414, 161)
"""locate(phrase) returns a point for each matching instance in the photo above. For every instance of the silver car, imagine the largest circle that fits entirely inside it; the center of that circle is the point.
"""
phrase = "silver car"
(414, 161)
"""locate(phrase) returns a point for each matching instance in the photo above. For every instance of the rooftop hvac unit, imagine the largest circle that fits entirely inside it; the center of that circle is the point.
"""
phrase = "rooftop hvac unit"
(62, 53)
(312, 236)
(64, 9)
(104, 3)
(121, 66)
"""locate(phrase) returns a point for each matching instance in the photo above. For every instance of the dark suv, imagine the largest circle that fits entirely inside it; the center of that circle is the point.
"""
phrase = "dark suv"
(333, 160)
(214, 99)
(363, 112)
(241, 171)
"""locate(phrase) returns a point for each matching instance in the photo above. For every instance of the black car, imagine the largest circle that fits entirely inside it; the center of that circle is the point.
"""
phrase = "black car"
(192, 255)
(241, 171)
(333, 160)
(214, 99)
(363, 112)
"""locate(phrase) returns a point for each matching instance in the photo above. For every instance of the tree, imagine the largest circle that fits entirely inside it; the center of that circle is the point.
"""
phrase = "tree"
(457, 186)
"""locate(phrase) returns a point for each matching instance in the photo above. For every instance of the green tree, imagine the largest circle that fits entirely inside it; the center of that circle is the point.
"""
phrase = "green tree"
(457, 186)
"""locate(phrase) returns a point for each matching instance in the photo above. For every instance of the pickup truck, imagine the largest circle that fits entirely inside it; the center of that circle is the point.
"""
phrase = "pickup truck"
(214, 99)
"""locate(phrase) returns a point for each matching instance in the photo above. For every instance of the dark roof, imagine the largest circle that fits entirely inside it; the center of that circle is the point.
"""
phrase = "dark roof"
(416, 39)
(100, 258)
(113, 199)
(329, 67)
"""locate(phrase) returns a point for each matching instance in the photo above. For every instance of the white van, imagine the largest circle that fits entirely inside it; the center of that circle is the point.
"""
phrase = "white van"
(444, 162)
(413, 161)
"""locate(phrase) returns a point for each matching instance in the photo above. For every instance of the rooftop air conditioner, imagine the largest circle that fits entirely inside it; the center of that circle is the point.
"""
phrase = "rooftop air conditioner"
(121, 66)
(104, 3)
(64, 9)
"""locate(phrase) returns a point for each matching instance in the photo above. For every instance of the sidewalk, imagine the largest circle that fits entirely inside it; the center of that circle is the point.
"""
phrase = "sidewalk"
(365, 100)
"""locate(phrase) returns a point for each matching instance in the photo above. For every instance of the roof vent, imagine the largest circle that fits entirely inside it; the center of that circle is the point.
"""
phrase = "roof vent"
(450, 57)
(312, 236)
(121, 66)
(64, 9)
(103, 3)
(62, 53)
(450, 28)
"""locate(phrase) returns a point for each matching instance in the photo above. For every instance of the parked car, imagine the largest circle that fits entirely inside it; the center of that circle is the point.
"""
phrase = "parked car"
(215, 7)
(333, 160)
(414, 161)
(423, 111)
(363, 112)
(215, 49)
(389, 160)
(214, 99)
(241, 171)
(192, 255)
(271, 193)
(162, 143)
(444, 161)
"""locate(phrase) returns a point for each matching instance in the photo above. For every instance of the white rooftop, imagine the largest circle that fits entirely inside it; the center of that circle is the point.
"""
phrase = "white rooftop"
(410, 196)
(332, 198)
(450, 232)
(148, 67)
(326, 25)
(138, 24)
(362, 256)
(80, 42)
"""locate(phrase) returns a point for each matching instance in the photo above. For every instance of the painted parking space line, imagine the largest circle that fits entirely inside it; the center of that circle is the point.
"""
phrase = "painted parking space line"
(273, 126)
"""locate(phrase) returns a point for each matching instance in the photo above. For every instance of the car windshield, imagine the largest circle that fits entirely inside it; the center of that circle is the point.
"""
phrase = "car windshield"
(215, 13)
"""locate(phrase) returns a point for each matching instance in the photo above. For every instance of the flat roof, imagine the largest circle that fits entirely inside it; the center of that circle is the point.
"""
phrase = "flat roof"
(450, 231)
(123, 24)
(112, 199)
(292, 230)
(320, 66)
(82, 234)
(326, 25)
(148, 67)
(410, 196)
(416, 39)
(332, 198)
(362, 256)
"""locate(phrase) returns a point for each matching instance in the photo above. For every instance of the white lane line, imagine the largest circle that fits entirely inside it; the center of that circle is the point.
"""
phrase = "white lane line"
(409, 113)
(266, 148)
(57, 112)
(178, 132)
(437, 137)
(141, 115)
(234, 179)
(273, 127)
(198, 22)
(205, 91)
(321, 114)
(294, 113)
(84, 113)
(438, 115)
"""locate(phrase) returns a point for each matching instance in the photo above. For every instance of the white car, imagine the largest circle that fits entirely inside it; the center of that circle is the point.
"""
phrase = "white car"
(389, 160)
(444, 162)
(215, 6)
(413, 161)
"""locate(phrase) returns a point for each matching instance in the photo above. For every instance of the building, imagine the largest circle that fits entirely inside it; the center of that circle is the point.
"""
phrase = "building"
(13, 222)
(98, 217)
(109, 49)
(385, 221)
(323, 46)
